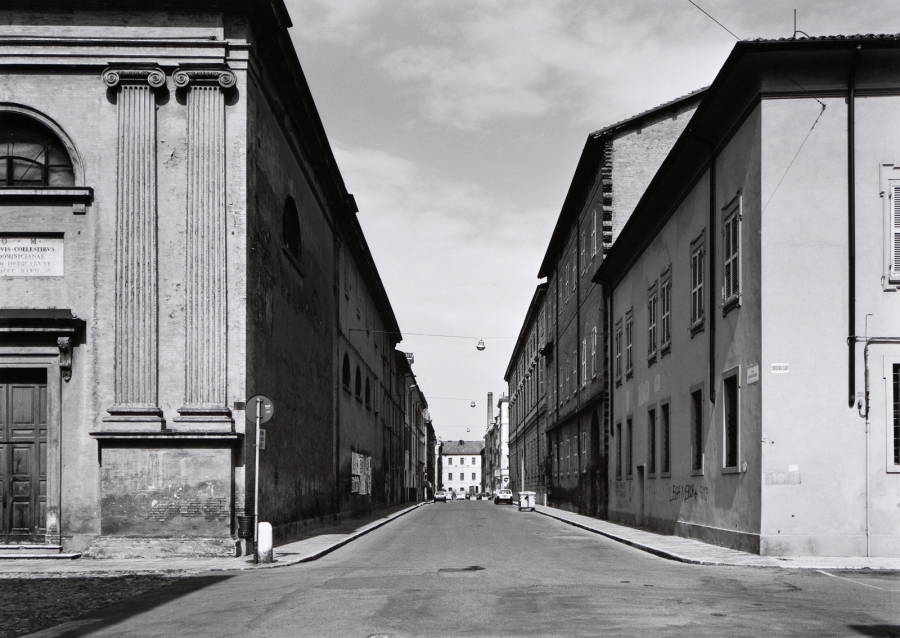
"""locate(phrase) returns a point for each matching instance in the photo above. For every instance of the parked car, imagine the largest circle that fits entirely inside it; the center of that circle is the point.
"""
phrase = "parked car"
(503, 496)
(441, 496)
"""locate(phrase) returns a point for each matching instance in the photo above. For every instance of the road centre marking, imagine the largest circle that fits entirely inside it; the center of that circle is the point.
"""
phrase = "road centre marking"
(855, 582)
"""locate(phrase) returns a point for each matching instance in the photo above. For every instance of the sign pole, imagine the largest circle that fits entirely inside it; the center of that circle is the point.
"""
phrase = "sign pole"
(259, 403)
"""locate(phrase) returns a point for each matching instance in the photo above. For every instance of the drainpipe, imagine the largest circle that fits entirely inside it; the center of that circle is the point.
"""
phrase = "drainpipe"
(711, 249)
(851, 226)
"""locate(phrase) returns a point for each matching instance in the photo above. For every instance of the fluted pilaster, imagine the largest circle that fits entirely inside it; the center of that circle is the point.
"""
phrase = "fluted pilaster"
(136, 313)
(205, 262)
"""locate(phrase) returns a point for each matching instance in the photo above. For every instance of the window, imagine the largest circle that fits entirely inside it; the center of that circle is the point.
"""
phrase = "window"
(358, 385)
(629, 450)
(697, 285)
(567, 282)
(697, 431)
(574, 269)
(594, 235)
(345, 376)
(473, 460)
(651, 441)
(665, 306)
(584, 362)
(665, 453)
(583, 248)
(556, 460)
(450, 476)
(575, 372)
(894, 235)
(584, 452)
(473, 476)
(575, 465)
(619, 450)
(731, 279)
(732, 415)
(290, 230)
(652, 304)
(594, 352)
(34, 156)
(368, 395)
(618, 354)
(567, 378)
(449, 460)
(629, 342)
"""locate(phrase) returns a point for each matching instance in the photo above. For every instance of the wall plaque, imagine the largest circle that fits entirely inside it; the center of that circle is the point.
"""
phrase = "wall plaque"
(31, 256)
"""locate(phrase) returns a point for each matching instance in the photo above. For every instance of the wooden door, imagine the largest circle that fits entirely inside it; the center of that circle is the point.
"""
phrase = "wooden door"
(23, 455)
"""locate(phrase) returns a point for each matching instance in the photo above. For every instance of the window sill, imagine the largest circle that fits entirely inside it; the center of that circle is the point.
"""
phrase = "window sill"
(618, 381)
(629, 374)
(697, 328)
(293, 260)
(359, 399)
(651, 475)
(346, 388)
(629, 477)
(731, 304)
(731, 470)
(665, 475)
(78, 196)
(666, 349)
(696, 472)
(651, 359)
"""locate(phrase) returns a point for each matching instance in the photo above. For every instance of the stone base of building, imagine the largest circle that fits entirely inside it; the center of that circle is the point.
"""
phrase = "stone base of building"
(732, 539)
(132, 547)
(832, 546)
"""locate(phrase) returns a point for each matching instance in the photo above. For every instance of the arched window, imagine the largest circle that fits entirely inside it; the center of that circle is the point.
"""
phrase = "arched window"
(345, 377)
(358, 384)
(290, 230)
(31, 155)
(368, 394)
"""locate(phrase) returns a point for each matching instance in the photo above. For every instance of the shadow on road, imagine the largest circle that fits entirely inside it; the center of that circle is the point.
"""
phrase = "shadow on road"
(884, 631)
(117, 612)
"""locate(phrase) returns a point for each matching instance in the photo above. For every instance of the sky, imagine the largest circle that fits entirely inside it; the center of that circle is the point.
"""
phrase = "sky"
(457, 126)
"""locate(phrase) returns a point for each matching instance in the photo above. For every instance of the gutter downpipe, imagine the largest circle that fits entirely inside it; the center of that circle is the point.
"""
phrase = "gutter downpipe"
(851, 229)
(712, 274)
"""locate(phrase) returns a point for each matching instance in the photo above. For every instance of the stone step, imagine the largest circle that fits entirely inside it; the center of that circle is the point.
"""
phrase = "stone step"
(35, 551)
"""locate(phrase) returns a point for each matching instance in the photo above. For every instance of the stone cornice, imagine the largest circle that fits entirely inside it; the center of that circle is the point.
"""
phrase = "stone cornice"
(114, 77)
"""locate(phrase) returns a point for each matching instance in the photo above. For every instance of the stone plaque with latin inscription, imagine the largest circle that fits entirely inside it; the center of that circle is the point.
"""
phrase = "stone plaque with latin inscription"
(31, 256)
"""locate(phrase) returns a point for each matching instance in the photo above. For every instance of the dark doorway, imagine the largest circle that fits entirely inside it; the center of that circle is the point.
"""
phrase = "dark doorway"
(23, 455)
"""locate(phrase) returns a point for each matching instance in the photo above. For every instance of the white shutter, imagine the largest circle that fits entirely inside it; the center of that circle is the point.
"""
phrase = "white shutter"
(895, 232)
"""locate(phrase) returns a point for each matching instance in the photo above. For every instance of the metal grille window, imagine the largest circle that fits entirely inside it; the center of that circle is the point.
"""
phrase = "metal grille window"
(665, 303)
(697, 286)
(697, 431)
(896, 383)
(651, 441)
(629, 343)
(732, 431)
(664, 445)
(652, 307)
(731, 280)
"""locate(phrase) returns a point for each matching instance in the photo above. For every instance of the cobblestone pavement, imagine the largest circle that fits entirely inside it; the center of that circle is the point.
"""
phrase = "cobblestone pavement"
(31, 604)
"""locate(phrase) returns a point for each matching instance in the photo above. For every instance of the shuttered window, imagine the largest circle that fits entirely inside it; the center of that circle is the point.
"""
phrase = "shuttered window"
(584, 362)
(652, 307)
(896, 384)
(731, 280)
(665, 303)
(629, 342)
(594, 236)
(895, 233)
(618, 353)
(594, 351)
(697, 286)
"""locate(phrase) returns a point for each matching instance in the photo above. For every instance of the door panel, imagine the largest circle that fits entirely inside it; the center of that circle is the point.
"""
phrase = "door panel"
(23, 455)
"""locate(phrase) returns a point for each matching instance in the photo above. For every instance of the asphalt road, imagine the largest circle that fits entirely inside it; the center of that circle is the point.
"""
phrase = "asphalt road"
(472, 568)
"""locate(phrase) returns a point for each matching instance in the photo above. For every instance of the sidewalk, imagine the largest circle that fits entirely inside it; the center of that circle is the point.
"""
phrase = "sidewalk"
(308, 548)
(694, 552)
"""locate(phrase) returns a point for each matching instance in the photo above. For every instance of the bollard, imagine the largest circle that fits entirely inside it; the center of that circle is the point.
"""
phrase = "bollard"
(264, 544)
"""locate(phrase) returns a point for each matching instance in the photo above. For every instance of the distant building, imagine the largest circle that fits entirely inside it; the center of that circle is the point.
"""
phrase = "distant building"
(461, 461)
(496, 441)
(752, 299)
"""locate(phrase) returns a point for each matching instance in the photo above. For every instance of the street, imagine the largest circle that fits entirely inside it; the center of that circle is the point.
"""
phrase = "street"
(472, 568)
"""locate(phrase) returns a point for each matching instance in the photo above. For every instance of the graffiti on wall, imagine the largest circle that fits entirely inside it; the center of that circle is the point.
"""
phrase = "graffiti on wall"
(688, 492)
(624, 490)
(361, 474)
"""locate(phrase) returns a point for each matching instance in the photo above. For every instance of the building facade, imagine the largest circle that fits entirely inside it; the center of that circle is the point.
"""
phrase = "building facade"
(461, 461)
(755, 354)
(496, 445)
(614, 169)
(177, 239)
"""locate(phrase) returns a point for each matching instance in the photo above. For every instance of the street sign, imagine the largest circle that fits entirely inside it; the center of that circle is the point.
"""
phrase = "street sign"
(262, 439)
(267, 408)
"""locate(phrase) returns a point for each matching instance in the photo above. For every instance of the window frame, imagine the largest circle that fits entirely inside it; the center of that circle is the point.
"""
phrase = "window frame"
(629, 447)
(733, 375)
(732, 217)
(584, 376)
(652, 441)
(652, 326)
(697, 284)
(892, 234)
(697, 443)
(594, 235)
(665, 426)
(665, 312)
(594, 352)
(629, 343)
(617, 346)
(891, 405)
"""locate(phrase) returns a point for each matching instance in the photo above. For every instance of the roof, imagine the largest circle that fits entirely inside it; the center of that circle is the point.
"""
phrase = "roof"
(588, 168)
(462, 447)
(803, 67)
(539, 293)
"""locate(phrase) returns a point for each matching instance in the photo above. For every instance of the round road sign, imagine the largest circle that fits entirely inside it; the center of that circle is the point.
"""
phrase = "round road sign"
(263, 404)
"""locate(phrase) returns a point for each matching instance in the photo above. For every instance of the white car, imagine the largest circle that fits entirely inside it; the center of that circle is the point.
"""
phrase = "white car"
(503, 496)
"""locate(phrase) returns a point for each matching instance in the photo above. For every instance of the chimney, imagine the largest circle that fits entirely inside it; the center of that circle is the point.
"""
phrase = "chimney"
(490, 403)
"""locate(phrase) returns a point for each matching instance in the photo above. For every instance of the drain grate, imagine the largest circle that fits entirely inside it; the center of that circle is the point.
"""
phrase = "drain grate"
(472, 568)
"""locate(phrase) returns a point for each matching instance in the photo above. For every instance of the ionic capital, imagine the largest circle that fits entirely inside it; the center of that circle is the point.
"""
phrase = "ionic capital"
(115, 77)
(222, 77)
